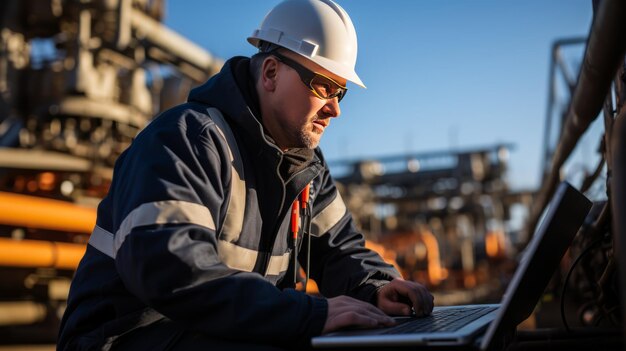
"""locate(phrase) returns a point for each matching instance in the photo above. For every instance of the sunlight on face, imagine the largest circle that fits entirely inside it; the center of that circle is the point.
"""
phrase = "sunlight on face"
(302, 116)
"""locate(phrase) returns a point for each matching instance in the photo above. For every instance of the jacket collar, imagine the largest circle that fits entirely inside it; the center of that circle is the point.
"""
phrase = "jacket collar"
(233, 92)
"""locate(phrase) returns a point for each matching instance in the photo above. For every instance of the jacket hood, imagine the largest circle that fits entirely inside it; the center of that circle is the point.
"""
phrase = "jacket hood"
(222, 92)
(234, 94)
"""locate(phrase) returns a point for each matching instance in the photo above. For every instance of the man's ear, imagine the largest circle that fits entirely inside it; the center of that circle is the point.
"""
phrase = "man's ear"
(269, 72)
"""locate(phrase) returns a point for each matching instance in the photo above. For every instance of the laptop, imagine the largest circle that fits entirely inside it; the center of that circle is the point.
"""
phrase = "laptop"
(485, 326)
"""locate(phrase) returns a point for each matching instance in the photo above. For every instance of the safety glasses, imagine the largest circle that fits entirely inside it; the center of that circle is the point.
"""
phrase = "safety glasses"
(322, 86)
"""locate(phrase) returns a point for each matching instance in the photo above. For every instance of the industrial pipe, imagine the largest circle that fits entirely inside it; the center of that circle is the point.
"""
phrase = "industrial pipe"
(603, 55)
(172, 42)
(40, 253)
(36, 212)
(436, 273)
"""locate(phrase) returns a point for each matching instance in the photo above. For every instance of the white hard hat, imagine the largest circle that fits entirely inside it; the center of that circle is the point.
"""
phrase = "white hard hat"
(319, 30)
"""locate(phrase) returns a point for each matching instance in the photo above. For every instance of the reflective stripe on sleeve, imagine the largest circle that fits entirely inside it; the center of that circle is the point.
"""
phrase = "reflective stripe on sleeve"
(103, 241)
(329, 216)
(159, 212)
(163, 212)
(180, 212)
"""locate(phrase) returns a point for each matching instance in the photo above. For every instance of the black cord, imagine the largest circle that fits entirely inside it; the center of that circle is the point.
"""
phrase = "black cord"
(569, 273)
(308, 246)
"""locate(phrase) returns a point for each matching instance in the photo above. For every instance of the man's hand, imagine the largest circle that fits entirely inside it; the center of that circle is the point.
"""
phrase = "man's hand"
(397, 298)
(345, 311)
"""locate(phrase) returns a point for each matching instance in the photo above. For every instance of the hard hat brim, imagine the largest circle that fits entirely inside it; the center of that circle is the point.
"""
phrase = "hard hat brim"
(338, 69)
(341, 70)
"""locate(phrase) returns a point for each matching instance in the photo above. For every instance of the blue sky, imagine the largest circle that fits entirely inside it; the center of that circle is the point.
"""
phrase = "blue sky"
(439, 74)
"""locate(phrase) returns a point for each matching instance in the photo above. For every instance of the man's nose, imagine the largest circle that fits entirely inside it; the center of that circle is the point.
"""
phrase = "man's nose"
(331, 108)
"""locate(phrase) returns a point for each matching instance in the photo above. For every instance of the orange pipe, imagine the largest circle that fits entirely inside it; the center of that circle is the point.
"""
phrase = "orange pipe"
(494, 244)
(36, 212)
(39, 253)
(436, 273)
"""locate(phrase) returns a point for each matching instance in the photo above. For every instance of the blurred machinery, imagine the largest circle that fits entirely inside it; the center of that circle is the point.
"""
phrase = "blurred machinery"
(78, 80)
(445, 214)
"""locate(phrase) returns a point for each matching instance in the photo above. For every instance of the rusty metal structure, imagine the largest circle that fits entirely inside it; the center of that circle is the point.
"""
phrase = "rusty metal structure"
(78, 80)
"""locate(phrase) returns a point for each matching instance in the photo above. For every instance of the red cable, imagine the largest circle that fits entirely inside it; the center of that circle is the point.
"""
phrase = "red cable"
(295, 216)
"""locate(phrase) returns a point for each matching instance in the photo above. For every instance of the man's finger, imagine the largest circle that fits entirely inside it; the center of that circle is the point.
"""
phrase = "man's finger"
(344, 311)
(409, 290)
(410, 293)
(427, 301)
(359, 318)
(351, 304)
(424, 301)
(397, 308)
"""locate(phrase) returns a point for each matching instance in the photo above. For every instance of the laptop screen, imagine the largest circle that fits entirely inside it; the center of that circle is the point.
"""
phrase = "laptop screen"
(563, 217)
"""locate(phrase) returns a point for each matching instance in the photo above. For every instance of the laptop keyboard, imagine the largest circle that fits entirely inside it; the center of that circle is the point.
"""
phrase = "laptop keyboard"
(445, 320)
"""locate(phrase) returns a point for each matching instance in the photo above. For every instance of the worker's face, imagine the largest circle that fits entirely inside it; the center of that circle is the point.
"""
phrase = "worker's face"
(298, 117)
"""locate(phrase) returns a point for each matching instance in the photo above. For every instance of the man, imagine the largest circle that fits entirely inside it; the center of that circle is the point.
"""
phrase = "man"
(195, 243)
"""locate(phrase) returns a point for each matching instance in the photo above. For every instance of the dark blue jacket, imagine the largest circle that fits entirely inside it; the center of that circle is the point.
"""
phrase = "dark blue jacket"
(195, 229)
